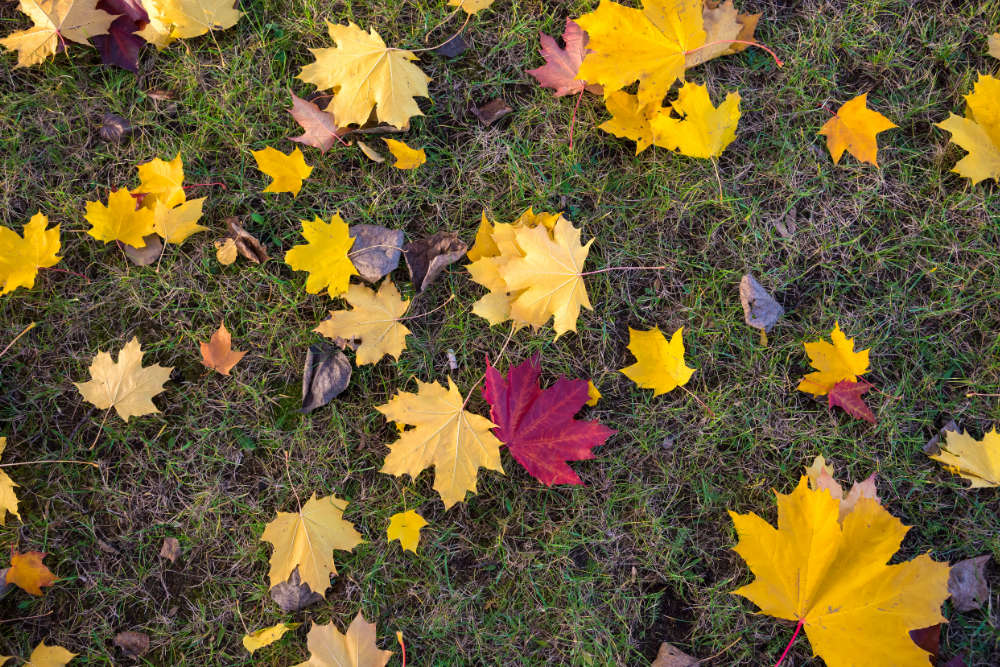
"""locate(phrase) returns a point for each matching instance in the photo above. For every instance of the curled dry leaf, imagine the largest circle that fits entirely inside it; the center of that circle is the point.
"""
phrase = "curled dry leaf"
(132, 643)
(967, 583)
(145, 255)
(327, 372)
(671, 656)
(370, 152)
(376, 250)
(114, 128)
(760, 310)
(428, 257)
(492, 111)
(170, 549)
(245, 242)
(293, 595)
(933, 445)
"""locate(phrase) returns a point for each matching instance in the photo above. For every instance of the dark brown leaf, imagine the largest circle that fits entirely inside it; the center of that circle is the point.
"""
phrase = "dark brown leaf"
(376, 250)
(114, 128)
(134, 644)
(453, 48)
(760, 310)
(928, 639)
(121, 45)
(246, 243)
(146, 255)
(162, 95)
(171, 549)
(427, 258)
(967, 583)
(327, 372)
(293, 595)
(492, 111)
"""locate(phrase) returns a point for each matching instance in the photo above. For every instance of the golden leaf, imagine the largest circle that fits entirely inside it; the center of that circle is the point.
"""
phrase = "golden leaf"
(374, 321)
(324, 255)
(49, 656)
(405, 527)
(29, 572)
(258, 639)
(975, 460)
(8, 499)
(124, 385)
(701, 131)
(22, 257)
(406, 157)
(176, 224)
(161, 181)
(120, 220)
(854, 128)
(56, 22)
(286, 171)
(834, 362)
(659, 364)
(979, 132)
(330, 648)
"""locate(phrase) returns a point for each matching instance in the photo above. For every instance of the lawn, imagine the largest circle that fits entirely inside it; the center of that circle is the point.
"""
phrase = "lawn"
(906, 257)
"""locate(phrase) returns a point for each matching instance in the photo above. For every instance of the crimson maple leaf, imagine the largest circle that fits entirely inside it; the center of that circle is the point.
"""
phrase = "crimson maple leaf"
(121, 45)
(847, 395)
(538, 425)
(561, 65)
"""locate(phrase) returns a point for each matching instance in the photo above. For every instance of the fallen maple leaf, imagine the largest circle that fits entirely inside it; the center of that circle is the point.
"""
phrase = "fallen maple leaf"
(833, 578)
(979, 132)
(22, 256)
(56, 23)
(847, 395)
(630, 119)
(326, 373)
(176, 224)
(723, 27)
(120, 220)
(975, 460)
(306, 540)
(121, 45)
(406, 157)
(193, 18)
(659, 364)
(834, 362)
(374, 321)
(286, 171)
(471, 6)
(258, 639)
(701, 130)
(320, 129)
(820, 475)
(405, 527)
(324, 255)
(161, 181)
(427, 258)
(28, 572)
(328, 647)
(539, 425)
(456, 442)
(562, 65)
(854, 128)
(49, 656)
(124, 385)
(367, 75)
(8, 499)
(218, 353)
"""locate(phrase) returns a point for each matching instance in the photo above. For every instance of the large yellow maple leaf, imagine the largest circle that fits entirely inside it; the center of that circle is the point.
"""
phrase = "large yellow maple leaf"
(325, 255)
(975, 460)
(8, 499)
(120, 220)
(659, 364)
(979, 131)
(286, 171)
(328, 647)
(834, 362)
(456, 442)
(306, 540)
(854, 128)
(365, 74)
(834, 578)
(176, 224)
(374, 321)
(22, 256)
(124, 385)
(56, 22)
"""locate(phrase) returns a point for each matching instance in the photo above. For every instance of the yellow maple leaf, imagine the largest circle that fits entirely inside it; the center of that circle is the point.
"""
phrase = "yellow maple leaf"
(8, 499)
(456, 442)
(29, 572)
(471, 6)
(484, 245)
(287, 171)
(648, 45)
(374, 321)
(975, 460)
(176, 224)
(820, 475)
(306, 540)
(120, 220)
(406, 157)
(834, 363)
(324, 255)
(367, 75)
(659, 364)
(978, 132)
(994, 45)
(593, 395)
(722, 24)
(405, 527)
(258, 639)
(702, 130)
(22, 257)
(124, 385)
(161, 181)
(49, 656)
(854, 128)
(629, 119)
(56, 22)
(833, 577)
(158, 31)
(329, 647)
(192, 18)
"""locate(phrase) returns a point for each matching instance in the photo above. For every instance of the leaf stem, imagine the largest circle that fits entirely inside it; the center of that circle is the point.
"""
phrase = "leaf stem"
(413, 317)
(402, 646)
(622, 268)
(23, 331)
(198, 185)
(572, 122)
(438, 46)
(790, 641)
(288, 474)
(700, 402)
(58, 270)
(777, 60)
(499, 357)
(30, 463)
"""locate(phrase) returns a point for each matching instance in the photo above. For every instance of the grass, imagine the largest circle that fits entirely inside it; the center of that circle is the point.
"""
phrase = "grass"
(906, 257)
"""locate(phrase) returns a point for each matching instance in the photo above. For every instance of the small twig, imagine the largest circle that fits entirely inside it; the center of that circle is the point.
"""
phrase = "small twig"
(200, 185)
(413, 317)
(969, 395)
(100, 429)
(700, 402)
(572, 122)
(24, 331)
(622, 268)
(442, 22)
(790, 641)
(30, 463)
(713, 657)
(24, 618)
(718, 179)
(58, 270)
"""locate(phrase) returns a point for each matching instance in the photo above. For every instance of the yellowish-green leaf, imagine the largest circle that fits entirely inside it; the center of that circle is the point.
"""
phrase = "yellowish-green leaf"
(659, 364)
(258, 639)
(325, 255)
(287, 171)
(405, 527)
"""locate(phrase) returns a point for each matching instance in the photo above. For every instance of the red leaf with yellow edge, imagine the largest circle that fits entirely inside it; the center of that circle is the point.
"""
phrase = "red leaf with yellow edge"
(538, 425)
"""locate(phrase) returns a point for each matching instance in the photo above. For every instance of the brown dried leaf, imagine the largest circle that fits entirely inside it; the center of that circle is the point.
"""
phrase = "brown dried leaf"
(492, 111)
(171, 549)
(427, 258)
(933, 448)
(114, 128)
(293, 595)
(146, 255)
(967, 583)
(327, 372)
(246, 243)
(376, 250)
(320, 127)
(671, 656)
(760, 310)
(218, 353)
(134, 644)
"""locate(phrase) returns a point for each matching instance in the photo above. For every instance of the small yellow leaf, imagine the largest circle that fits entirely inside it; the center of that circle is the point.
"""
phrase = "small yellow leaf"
(325, 255)
(405, 527)
(226, 251)
(978, 132)
(593, 393)
(22, 257)
(29, 572)
(258, 639)
(49, 656)
(8, 499)
(975, 460)
(854, 128)
(702, 131)
(287, 171)
(471, 6)
(176, 224)
(374, 321)
(124, 385)
(161, 181)
(659, 364)
(406, 157)
(330, 648)
(120, 220)
(834, 362)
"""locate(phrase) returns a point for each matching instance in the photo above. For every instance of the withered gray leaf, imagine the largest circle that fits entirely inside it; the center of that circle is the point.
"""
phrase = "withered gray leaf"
(246, 243)
(933, 446)
(492, 111)
(293, 595)
(427, 258)
(147, 255)
(171, 549)
(454, 47)
(671, 656)
(967, 583)
(327, 372)
(760, 310)
(376, 250)
(132, 643)
(114, 128)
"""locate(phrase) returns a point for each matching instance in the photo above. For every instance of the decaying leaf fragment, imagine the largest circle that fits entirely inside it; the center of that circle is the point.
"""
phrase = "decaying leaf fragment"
(967, 583)
(326, 373)
(133, 644)
(993, 45)
(218, 353)
(125, 385)
(760, 310)
(428, 257)
(975, 460)
(376, 250)
(293, 595)
(328, 647)
(671, 656)
(239, 242)
(146, 255)
(854, 128)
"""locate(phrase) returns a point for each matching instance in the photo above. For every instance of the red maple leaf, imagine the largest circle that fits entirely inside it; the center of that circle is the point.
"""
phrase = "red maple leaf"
(538, 425)
(847, 395)
(121, 45)
(561, 65)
